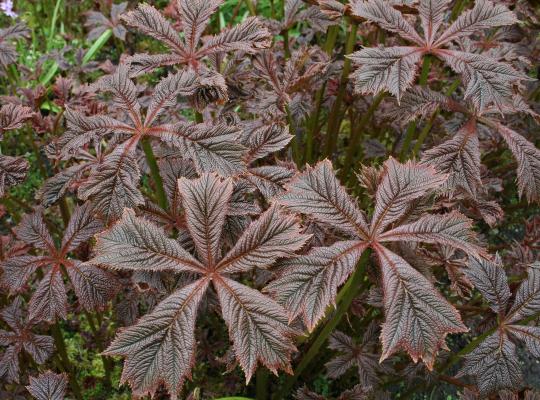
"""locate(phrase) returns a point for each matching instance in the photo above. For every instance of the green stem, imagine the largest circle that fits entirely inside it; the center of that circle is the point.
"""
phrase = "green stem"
(251, 7)
(344, 299)
(261, 384)
(97, 45)
(154, 173)
(53, 24)
(354, 141)
(334, 121)
(411, 129)
(314, 120)
(60, 345)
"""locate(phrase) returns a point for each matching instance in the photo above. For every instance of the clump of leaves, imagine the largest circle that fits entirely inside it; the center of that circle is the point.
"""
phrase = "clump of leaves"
(177, 171)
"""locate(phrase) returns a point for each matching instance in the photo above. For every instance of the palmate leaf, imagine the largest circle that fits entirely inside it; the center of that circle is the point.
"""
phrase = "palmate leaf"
(458, 157)
(400, 184)
(490, 279)
(318, 193)
(310, 282)
(48, 386)
(494, 364)
(257, 327)
(418, 318)
(97, 23)
(394, 68)
(248, 36)
(160, 348)
(93, 287)
(360, 355)
(528, 159)
(39, 347)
